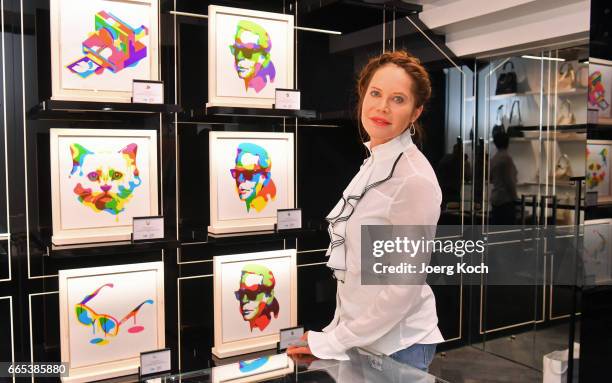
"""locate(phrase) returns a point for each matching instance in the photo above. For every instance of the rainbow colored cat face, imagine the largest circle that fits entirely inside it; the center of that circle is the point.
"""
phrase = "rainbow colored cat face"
(105, 180)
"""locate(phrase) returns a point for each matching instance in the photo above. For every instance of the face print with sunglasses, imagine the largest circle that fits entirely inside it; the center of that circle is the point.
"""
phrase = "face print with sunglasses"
(253, 176)
(252, 59)
(256, 296)
(105, 326)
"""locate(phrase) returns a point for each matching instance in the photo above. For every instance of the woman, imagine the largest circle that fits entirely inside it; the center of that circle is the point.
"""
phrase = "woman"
(395, 186)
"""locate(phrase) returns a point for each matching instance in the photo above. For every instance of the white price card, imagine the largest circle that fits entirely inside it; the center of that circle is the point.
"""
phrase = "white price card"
(147, 228)
(290, 336)
(287, 99)
(147, 92)
(155, 362)
(287, 219)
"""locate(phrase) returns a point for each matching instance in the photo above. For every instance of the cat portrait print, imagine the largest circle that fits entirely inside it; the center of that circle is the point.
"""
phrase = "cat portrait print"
(104, 180)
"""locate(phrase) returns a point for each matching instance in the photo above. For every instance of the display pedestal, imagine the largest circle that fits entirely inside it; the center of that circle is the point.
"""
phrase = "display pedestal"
(88, 374)
(253, 345)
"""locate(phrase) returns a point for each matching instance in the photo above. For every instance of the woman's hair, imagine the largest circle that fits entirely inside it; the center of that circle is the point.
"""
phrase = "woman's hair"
(421, 88)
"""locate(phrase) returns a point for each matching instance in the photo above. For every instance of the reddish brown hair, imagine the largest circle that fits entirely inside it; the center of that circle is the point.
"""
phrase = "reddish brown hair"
(421, 89)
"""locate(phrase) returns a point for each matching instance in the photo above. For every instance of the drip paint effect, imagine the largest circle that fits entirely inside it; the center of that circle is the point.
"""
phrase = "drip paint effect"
(252, 175)
(107, 179)
(252, 365)
(114, 45)
(256, 296)
(107, 324)
(252, 59)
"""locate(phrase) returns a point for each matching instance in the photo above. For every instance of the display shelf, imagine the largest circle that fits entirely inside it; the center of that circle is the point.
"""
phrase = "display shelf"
(110, 248)
(202, 237)
(564, 92)
(54, 109)
(571, 128)
(260, 112)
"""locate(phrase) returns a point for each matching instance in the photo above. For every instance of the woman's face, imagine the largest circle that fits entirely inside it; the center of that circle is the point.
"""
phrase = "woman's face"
(388, 104)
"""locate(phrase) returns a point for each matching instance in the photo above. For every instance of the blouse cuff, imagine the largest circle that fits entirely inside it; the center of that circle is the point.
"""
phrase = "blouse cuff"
(326, 346)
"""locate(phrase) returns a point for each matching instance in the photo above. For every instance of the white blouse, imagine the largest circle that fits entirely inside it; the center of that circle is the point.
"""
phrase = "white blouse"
(382, 318)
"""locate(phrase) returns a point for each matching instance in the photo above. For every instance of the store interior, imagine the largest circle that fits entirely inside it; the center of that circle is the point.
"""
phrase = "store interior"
(538, 91)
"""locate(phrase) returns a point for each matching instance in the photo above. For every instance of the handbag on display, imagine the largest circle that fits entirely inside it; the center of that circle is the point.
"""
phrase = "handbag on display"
(506, 82)
(563, 169)
(582, 77)
(499, 122)
(567, 116)
(566, 77)
(515, 125)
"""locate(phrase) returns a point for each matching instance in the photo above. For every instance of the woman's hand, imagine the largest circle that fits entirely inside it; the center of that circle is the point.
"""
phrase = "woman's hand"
(300, 350)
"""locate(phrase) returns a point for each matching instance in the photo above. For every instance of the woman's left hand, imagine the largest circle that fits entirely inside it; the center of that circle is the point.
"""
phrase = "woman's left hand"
(300, 350)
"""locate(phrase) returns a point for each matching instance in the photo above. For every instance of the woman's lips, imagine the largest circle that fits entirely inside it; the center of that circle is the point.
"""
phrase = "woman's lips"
(380, 122)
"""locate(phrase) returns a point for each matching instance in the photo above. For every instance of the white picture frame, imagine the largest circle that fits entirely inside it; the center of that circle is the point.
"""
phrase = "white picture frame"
(238, 329)
(73, 30)
(597, 253)
(231, 208)
(79, 217)
(599, 168)
(230, 86)
(108, 353)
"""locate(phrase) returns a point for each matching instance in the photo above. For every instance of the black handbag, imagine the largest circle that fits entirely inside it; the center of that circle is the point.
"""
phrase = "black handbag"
(499, 128)
(506, 82)
(515, 128)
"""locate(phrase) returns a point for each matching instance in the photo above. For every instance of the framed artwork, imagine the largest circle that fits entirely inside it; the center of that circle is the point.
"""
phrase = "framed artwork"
(598, 167)
(250, 54)
(99, 46)
(251, 177)
(100, 179)
(600, 87)
(263, 368)
(255, 296)
(597, 254)
(108, 316)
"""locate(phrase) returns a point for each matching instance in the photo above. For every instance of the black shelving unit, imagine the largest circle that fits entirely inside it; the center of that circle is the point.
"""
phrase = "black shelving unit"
(260, 112)
(110, 248)
(60, 109)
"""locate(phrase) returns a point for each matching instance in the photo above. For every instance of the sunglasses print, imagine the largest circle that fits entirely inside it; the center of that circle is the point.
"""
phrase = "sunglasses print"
(244, 174)
(107, 324)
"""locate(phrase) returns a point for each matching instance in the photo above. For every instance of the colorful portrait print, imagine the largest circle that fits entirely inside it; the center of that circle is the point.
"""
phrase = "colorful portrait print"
(252, 174)
(114, 45)
(105, 181)
(106, 324)
(256, 296)
(252, 59)
(597, 92)
(596, 167)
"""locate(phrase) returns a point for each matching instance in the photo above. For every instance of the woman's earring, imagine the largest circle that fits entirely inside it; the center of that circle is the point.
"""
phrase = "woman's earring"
(412, 129)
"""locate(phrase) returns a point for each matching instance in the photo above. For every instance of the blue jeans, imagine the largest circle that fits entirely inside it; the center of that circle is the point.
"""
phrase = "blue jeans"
(418, 355)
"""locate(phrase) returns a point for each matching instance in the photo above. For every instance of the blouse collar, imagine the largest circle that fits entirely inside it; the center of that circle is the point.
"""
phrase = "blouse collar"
(390, 148)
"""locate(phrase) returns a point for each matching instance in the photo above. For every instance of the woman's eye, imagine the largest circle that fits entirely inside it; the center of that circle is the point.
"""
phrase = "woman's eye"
(398, 99)
(374, 93)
